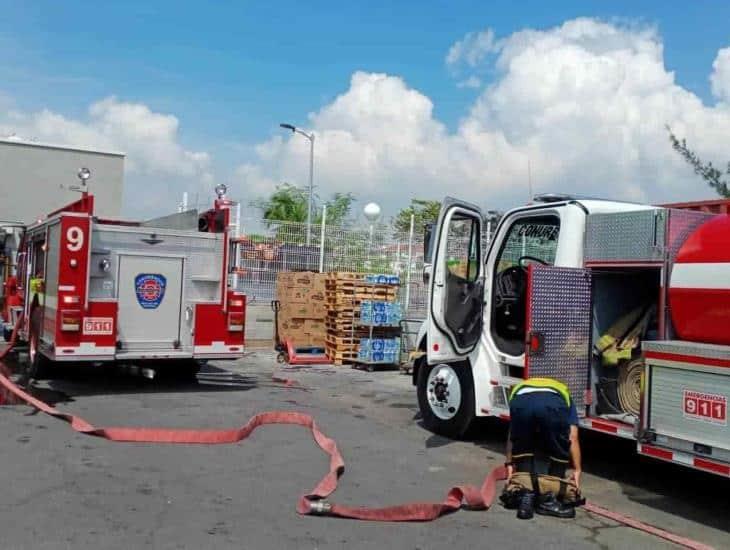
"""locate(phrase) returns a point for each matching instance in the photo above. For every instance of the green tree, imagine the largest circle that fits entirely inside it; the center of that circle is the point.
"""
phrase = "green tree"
(713, 176)
(424, 212)
(289, 203)
(338, 209)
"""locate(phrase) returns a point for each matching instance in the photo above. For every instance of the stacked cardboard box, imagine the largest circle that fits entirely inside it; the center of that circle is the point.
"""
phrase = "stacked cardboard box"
(302, 308)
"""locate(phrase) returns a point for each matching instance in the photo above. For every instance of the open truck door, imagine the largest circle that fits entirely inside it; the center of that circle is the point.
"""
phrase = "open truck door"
(445, 384)
(559, 324)
(456, 292)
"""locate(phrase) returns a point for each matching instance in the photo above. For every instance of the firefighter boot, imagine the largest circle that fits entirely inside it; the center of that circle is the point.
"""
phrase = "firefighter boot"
(526, 508)
(548, 505)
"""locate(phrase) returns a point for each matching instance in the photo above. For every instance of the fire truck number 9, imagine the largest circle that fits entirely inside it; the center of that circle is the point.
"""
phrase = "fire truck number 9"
(74, 238)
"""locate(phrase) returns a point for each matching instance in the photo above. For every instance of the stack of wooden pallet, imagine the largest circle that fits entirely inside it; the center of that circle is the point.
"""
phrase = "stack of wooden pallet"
(344, 293)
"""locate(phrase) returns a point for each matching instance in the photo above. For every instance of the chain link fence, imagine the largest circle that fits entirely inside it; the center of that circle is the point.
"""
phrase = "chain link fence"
(264, 248)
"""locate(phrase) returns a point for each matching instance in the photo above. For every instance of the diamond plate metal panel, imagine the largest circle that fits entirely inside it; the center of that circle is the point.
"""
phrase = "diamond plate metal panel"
(560, 311)
(681, 224)
(625, 236)
(201, 252)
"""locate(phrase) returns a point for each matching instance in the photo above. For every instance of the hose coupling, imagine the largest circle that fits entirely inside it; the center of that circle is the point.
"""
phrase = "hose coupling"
(320, 507)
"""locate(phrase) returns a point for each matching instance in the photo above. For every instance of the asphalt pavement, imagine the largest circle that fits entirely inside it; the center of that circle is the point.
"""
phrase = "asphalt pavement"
(66, 490)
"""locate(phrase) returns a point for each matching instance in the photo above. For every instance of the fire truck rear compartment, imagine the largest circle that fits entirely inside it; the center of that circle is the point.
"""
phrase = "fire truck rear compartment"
(141, 327)
(191, 267)
(622, 298)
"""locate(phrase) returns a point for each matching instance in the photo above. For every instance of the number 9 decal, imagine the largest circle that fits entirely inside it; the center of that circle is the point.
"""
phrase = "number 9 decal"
(75, 238)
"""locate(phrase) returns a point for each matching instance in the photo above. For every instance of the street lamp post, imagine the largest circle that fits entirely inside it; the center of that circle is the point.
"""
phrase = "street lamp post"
(310, 137)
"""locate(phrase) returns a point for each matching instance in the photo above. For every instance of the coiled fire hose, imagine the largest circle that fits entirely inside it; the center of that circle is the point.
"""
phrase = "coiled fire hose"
(628, 386)
(313, 502)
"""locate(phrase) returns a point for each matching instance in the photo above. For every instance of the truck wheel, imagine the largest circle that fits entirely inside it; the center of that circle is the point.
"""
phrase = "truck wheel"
(446, 397)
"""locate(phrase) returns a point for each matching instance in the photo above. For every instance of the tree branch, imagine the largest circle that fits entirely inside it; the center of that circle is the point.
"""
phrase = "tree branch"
(706, 171)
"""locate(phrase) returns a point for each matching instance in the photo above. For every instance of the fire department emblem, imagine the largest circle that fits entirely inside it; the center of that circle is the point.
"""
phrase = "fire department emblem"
(150, 289)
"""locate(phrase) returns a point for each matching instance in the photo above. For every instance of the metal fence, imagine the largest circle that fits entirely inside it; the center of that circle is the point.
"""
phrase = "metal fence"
(264, 248)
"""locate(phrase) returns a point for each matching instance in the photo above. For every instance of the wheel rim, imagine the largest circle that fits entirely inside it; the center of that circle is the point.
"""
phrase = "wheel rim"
(443, 392)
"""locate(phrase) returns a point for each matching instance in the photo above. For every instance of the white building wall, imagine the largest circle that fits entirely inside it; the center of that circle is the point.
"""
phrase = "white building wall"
(31, 176)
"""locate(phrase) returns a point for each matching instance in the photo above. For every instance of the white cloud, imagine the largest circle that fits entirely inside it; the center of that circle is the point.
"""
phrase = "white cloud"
(472, 49)
(157, 166)
(586, 102)
(471, 82)
(720, 77)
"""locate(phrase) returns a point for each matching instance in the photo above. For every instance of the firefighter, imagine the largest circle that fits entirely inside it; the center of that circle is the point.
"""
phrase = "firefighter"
(37, 289)
(12, 297)
(543, 440)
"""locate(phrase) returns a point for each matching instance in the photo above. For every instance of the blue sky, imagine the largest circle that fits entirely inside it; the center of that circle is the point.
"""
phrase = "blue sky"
(232, 72)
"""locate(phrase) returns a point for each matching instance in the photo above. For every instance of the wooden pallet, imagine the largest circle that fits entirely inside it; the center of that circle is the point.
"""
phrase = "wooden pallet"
(341, 342)
(340, 357)
(342, 327)
(344, 276)
(359, 287)
(356, 298)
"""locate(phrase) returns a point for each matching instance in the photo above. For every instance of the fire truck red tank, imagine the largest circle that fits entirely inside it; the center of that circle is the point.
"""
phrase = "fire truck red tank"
(699, 289)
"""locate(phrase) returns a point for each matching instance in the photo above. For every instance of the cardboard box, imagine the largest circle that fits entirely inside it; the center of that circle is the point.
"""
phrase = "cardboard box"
(297, 310)
(301, 295)
(315, 327)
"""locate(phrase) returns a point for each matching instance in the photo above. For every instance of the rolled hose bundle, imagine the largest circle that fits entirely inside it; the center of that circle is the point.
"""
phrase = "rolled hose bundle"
(628, 386)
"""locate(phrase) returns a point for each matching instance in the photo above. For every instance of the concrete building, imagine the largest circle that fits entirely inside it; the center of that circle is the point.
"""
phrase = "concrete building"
(35, 179)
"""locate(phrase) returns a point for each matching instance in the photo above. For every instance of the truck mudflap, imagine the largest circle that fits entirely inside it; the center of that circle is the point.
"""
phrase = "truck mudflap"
(684, 413)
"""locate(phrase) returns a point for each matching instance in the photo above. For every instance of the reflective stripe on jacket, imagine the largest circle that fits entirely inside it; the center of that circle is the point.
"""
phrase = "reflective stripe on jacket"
(547, 383)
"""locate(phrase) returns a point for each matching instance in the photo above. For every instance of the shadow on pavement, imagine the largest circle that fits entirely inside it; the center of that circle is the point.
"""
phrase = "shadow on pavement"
(78, 380)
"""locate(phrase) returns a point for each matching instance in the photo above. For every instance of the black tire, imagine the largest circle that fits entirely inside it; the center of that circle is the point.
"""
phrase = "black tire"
(462, 417)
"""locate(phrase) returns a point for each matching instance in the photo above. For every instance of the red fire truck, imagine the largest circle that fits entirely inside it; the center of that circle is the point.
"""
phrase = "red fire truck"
(103, 290)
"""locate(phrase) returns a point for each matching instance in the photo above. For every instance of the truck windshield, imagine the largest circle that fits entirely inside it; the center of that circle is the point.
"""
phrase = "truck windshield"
(533, 239)
(528, 240)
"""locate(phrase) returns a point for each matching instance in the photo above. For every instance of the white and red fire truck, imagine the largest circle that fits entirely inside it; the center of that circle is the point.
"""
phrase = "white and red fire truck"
(561, 281)
(104, 290)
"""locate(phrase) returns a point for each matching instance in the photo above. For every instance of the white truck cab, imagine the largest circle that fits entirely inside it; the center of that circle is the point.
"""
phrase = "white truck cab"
(479, 323)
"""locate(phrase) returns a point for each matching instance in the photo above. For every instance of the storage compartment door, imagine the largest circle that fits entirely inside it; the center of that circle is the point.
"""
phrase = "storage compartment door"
(559, 327)
(150, 293)
(689, 405)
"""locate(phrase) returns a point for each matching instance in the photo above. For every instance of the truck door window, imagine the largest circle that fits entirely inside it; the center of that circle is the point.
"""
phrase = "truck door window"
(528, 240)
(462, 249)
(463, 296)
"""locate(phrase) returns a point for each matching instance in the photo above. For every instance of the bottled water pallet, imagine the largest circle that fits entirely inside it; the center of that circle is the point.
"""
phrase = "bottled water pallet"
(344, 294)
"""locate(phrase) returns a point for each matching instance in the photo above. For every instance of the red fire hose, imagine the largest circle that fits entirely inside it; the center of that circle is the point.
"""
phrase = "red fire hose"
(314, 503)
